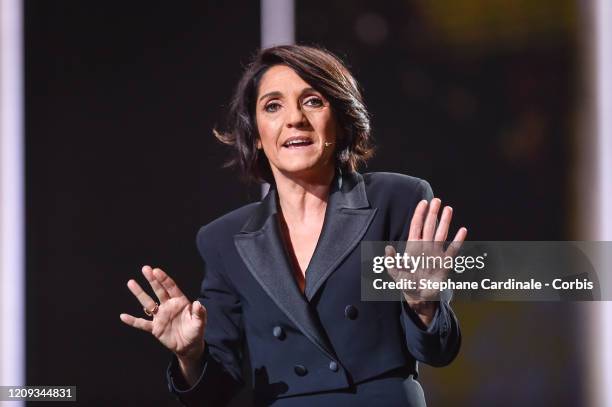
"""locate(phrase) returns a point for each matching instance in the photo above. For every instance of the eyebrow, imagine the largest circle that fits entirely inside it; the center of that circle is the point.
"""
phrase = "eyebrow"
(277, 93)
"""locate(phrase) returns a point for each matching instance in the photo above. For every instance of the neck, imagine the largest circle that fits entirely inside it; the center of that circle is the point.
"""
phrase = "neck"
(302, 198)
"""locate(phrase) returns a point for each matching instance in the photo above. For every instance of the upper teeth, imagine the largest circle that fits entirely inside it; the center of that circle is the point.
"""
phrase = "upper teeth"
(295, 142)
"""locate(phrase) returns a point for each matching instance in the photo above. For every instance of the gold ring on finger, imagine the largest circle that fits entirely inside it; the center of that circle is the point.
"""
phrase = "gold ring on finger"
(152, 312)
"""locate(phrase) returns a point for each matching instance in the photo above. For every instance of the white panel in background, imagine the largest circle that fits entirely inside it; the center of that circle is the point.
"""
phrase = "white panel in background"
(277, 22)
(12, 272)
(602, 356)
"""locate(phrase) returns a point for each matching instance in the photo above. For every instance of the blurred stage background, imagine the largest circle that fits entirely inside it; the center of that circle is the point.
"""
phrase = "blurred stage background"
(491, 101)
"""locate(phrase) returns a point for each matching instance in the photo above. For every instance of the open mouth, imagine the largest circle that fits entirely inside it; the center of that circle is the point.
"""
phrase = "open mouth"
(297, 142)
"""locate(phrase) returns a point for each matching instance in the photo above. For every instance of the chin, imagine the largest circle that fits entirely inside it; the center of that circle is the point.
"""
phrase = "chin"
(303, 167)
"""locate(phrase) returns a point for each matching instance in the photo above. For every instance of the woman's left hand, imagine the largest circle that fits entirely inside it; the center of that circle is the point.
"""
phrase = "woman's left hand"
(424, 239)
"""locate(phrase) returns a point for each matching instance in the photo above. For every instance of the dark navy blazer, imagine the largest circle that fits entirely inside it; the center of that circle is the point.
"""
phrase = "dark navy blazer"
(312, 348)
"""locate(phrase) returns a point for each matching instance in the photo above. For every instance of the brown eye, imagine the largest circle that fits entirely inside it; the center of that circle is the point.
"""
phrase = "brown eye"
(314, 102)
(272, 107)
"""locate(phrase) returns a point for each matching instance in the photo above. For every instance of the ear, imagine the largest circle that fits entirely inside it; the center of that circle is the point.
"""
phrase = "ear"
(259, 147)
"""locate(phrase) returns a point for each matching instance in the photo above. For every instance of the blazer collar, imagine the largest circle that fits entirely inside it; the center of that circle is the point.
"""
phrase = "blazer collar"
(264, 251)
(347, 191)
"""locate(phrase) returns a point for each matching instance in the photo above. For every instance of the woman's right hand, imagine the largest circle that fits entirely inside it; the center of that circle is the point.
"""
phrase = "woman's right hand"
(178, 323)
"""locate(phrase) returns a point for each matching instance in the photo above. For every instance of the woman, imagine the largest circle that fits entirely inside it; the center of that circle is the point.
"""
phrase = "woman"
(283, 275)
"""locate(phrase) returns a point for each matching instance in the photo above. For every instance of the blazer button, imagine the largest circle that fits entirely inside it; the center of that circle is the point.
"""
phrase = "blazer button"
(351, 312)
(300, 370)
(333, 366)
(278, 332)
(444, 330)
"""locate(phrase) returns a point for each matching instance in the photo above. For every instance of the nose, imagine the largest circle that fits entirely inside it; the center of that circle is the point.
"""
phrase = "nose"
(296, 117)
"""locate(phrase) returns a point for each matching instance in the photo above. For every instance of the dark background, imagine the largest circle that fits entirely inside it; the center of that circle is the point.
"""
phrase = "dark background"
(121, 99)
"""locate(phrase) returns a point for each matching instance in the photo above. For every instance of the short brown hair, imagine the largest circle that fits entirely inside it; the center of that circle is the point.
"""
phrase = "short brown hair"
(324, 72)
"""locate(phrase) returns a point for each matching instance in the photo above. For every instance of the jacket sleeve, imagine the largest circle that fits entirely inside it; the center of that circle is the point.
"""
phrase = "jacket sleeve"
(437, 344)
(221, 378)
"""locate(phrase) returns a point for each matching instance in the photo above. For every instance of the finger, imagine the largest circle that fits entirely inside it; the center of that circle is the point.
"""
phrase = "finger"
(457, 242)
(159, 290)
(418, 218)
(432, 218)
(140, 323)
(144, 298)
(390, 252)
(198, 311)
(168, 283)
(445, 220)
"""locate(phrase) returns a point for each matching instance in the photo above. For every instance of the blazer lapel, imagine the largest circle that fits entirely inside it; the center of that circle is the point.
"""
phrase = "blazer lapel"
(347, 218)
(261, 248)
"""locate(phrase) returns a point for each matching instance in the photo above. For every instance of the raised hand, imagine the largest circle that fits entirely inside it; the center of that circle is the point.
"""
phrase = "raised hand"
(177, 323)
(427, 240)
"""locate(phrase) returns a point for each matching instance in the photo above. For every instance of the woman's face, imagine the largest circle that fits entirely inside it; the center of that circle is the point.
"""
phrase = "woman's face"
(294, 122)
